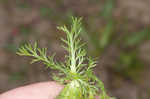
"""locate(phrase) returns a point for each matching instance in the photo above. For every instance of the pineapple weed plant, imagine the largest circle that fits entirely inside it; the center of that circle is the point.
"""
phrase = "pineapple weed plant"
(76, 73)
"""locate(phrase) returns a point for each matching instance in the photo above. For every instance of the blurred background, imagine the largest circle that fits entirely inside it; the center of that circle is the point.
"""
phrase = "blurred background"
(117, 32)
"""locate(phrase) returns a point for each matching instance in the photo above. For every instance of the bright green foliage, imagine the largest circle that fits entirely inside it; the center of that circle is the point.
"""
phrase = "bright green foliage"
(78, 77)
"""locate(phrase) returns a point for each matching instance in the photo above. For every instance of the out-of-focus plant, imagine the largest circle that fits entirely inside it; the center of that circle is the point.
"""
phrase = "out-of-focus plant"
(106, 35)
(136, 38)
(107, 10)
(128, 64)
(46, 11)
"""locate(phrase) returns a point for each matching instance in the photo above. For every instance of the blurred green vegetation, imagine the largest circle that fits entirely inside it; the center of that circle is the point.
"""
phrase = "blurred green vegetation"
(128, 63)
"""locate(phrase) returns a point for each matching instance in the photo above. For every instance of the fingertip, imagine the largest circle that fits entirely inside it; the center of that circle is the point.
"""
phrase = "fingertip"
(46, 90)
